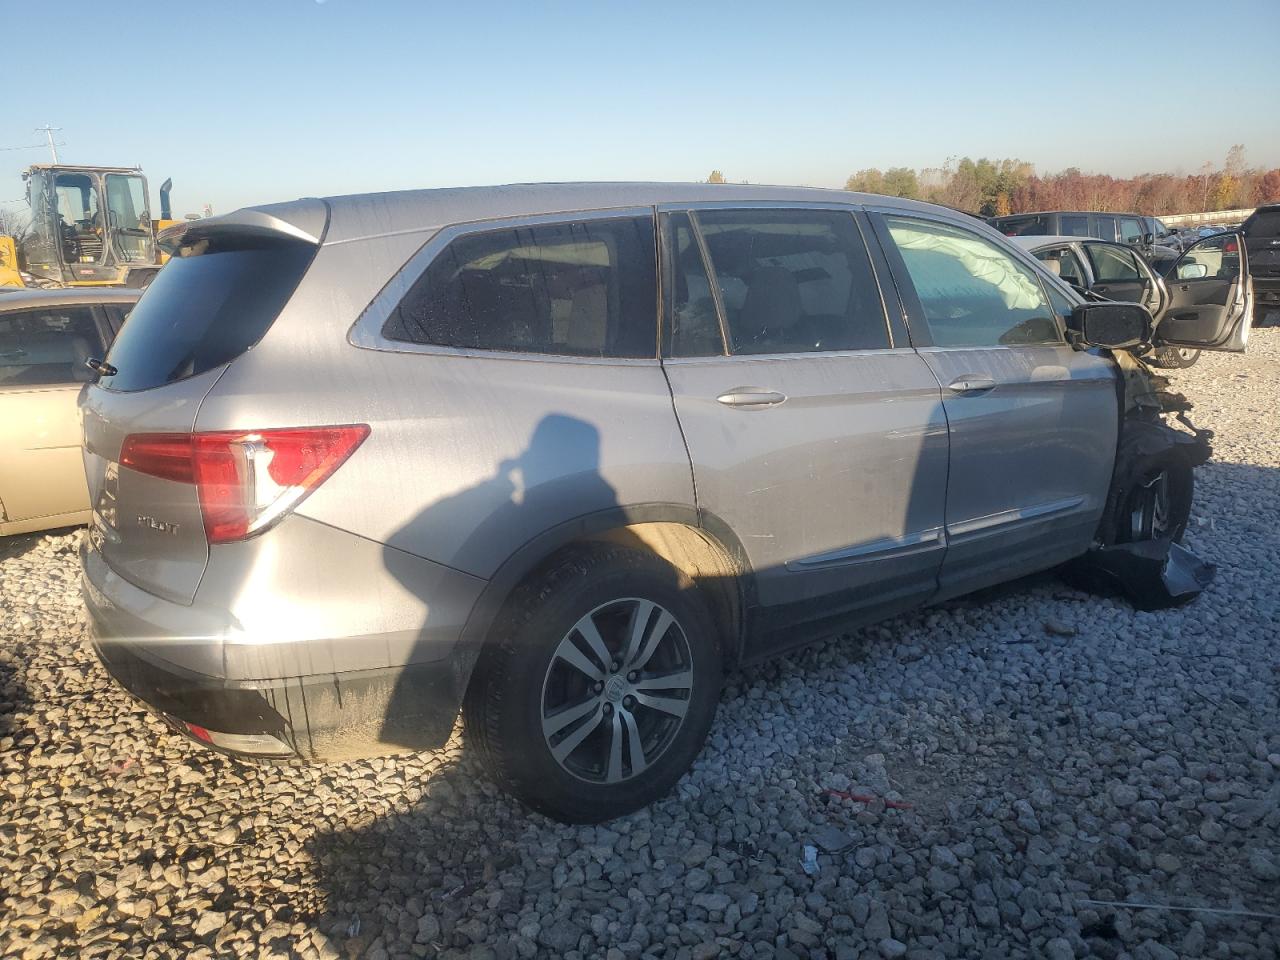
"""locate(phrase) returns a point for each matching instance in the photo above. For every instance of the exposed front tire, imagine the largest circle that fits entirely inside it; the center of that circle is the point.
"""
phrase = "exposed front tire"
(1152, 494)
(598, 686)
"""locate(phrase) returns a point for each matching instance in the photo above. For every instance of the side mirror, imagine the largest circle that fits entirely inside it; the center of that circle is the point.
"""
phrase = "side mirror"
(1148, 238)
(1192, 271)
(1111, 325)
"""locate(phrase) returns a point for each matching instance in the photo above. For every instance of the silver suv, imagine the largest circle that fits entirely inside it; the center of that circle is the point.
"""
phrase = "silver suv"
(559, 456)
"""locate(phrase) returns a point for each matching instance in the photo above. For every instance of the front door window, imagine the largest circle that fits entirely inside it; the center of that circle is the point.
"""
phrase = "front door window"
(1112, 265)
(1130, 229)
(973, 294)
(129, 219)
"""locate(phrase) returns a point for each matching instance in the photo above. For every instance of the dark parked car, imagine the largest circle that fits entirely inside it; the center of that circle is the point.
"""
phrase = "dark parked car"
(1262, 241)
(1157, 243)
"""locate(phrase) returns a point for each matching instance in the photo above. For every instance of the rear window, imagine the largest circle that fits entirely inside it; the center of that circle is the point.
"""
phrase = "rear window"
(585, 288)
(205, 308)
(1263, 223)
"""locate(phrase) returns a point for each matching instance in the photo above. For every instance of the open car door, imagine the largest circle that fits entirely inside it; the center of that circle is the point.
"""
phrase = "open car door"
(1210, 296)
(1120, 273)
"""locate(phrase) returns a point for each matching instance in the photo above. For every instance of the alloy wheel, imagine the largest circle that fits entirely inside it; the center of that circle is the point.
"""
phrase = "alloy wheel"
(616, 691)
(1149, 508)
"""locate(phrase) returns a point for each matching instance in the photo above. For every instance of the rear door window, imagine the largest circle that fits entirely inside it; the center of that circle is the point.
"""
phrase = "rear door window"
(1073, 225)
(691, 305)
(47, 346)
(793, 281)
(585, 288)
(206, 307)
(1106, 228)
(972, 293)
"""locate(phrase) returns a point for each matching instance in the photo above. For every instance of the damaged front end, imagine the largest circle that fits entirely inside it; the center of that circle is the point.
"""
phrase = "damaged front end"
(1137, 550)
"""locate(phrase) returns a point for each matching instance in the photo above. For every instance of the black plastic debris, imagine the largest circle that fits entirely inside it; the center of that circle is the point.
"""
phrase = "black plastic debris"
(1152, 574)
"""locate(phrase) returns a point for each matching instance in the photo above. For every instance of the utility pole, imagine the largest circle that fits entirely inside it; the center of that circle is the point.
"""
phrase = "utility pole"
(49, 131)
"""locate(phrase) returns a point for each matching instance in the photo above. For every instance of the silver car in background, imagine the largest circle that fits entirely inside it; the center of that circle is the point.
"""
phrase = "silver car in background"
(558, 456)
(1206, 297)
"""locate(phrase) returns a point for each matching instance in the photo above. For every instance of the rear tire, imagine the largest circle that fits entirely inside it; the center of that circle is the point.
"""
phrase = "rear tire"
(577, 738)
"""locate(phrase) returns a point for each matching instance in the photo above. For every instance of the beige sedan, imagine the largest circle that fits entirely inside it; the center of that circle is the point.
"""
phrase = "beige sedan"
(45, 338)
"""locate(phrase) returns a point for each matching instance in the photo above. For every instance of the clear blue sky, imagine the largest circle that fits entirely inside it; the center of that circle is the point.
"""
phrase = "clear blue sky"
(248, 102)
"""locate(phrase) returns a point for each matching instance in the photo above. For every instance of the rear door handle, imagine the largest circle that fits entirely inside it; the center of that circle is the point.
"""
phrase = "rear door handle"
(751, 397)
(971, 384)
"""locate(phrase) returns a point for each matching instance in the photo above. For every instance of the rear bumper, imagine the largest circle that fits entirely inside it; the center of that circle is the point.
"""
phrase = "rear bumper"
(337, 717)
(277, 689)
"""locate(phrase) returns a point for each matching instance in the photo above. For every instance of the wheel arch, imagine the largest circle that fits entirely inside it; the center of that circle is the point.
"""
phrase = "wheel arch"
(699, 545)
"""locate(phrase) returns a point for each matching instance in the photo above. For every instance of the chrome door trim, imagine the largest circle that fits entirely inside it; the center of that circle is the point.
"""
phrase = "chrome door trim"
(998, 522)
(774, 357)
(873, 550)
(366, 332)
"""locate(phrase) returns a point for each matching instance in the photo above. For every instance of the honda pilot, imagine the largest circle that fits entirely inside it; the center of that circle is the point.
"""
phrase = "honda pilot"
(557, 457)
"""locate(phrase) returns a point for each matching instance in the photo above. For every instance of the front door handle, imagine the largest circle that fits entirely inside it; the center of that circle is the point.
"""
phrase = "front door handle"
(751, 397)
(971, 384)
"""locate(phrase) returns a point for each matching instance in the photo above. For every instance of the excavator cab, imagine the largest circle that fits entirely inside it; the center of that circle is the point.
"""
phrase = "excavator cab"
(89, 226)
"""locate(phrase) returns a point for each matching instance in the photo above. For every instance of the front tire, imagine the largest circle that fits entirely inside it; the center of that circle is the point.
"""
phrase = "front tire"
(598, 686)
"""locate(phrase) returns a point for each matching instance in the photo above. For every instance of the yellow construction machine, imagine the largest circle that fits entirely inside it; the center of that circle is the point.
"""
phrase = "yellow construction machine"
(90, 226)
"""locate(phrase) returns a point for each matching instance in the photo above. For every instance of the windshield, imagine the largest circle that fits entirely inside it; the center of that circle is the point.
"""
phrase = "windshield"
(129, 219)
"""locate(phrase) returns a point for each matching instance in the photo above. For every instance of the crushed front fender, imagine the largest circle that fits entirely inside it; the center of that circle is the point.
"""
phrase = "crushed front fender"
(1152, 574)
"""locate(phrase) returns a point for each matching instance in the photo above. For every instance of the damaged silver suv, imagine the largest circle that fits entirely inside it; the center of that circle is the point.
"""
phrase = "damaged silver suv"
(557, 457)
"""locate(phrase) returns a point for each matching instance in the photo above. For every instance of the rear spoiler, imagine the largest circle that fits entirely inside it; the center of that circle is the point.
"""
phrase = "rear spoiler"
(305, 220)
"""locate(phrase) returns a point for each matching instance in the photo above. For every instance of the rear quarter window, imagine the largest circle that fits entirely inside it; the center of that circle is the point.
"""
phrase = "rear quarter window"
(585, 288)
(205, 308)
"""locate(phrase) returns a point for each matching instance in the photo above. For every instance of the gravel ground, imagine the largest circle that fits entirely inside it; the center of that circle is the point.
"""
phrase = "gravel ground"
(1023, 753)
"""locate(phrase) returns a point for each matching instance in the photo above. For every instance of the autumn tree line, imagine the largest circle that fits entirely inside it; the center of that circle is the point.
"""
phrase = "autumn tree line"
(999, 187)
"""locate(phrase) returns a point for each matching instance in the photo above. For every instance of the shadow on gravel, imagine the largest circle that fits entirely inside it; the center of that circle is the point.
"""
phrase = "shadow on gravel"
(430, 858)
(14, 698)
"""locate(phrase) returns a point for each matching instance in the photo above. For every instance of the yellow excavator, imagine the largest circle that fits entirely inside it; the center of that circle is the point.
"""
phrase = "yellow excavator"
(90, 226)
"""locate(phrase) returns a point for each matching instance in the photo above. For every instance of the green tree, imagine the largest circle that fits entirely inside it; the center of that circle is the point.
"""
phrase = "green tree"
(901, 182)
(870, 180)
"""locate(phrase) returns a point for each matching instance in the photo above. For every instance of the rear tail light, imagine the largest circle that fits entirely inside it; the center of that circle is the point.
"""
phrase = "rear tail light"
(246, 479)
(1230, 247)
